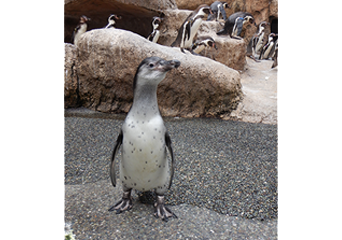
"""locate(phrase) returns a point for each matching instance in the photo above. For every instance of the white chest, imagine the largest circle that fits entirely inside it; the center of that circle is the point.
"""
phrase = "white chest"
(144, 163)
(195, 26)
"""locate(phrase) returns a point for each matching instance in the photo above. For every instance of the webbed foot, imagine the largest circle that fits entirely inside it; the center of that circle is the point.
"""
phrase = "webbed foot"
(161, 211)
(125, 204)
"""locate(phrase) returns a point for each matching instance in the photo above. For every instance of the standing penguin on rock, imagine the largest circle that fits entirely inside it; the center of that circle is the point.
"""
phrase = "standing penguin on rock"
(144, 140)
(111, 21)
(234, 24)
(190, 26)
(217, 9)
(80, 29)
(154, 36)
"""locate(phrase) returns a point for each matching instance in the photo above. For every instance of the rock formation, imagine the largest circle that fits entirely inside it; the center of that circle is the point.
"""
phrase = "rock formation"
(70, 77)
(107, 61)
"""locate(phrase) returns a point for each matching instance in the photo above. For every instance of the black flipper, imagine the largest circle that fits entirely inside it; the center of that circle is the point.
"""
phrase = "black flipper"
(169, 146)
(112, 164)
(223, 12)
(188, 28)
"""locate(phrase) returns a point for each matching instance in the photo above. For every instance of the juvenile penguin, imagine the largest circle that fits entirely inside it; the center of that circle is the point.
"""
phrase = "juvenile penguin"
(218, 11)
(231, 22)
(80, 29)
(154, 36)
(144, 140)
(189, 28)
(201, 43)
(111, 21)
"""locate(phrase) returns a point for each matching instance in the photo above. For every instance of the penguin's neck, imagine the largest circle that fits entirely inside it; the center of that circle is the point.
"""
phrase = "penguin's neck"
(145, 101)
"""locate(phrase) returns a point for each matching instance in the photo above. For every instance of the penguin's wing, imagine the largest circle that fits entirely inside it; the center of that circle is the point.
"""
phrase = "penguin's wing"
(223, 12)
(169, 146)
(112, 164)
(188, 28)
(74, 33)
(239, 27)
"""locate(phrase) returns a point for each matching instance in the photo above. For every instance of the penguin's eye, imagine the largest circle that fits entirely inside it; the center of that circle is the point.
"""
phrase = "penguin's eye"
(151, 65)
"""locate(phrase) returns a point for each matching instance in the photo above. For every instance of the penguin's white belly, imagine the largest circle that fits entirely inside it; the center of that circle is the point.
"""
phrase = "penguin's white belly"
(193, 31)
(144, 164)
(268, 50)
(82, 30)
(199, 49)
(156, 36)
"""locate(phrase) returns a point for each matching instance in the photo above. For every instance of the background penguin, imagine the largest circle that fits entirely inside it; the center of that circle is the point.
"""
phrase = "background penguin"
(230, 23)
(80, 29)
(201, 43)
(189, 28)
(268, 50)
(111, 21)
(144, 140)
(259, 41)
(217, 9)
(275, 56)
(154, 36)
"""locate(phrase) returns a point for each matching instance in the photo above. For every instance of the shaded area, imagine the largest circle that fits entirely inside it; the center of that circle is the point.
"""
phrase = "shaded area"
(226, 166)
(134, 18)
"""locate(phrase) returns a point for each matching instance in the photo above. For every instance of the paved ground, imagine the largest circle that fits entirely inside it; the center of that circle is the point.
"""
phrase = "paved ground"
(225, 184)
(259, 85)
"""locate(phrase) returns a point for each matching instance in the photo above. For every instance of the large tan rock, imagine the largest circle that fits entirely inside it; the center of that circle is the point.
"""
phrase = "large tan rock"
(107, 61)
(70, 77)
(192, 4)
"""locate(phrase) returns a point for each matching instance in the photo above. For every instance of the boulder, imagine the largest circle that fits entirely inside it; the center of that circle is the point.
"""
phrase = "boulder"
(192, 4)
(106, 65)
(70, 77)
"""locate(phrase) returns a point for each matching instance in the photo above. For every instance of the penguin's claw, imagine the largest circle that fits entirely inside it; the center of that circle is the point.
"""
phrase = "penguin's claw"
(161, 211)
(123, 205)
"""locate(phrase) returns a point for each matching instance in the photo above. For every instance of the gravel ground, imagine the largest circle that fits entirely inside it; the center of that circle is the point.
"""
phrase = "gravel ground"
(226, 174)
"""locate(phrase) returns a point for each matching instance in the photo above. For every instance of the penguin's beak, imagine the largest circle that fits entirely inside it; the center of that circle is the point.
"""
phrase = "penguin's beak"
(168, 65)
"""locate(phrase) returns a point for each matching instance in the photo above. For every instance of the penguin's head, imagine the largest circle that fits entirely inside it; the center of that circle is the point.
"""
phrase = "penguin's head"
(204, 9)
(225, 5)
(114, 17)
(152, 70)
(156, 21)
(84, 19)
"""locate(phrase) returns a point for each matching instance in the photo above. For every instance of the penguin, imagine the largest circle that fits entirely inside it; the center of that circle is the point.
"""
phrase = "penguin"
(259, 39)
(190, 26)
(275, 56)
(144, 140)
(268, 50)
(80, 29)
(111, 21)
(154, 36)
(218, 10)
(201, 43)
(231, 23)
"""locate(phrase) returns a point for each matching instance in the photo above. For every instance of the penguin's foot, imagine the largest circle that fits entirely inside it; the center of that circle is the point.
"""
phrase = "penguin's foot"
(161, 211)
(125, 204)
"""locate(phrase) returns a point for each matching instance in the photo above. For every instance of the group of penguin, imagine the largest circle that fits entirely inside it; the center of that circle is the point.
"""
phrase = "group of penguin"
(234, 26)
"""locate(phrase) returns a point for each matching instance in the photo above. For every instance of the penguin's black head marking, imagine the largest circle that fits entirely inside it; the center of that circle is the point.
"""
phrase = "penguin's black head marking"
(152, 70)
